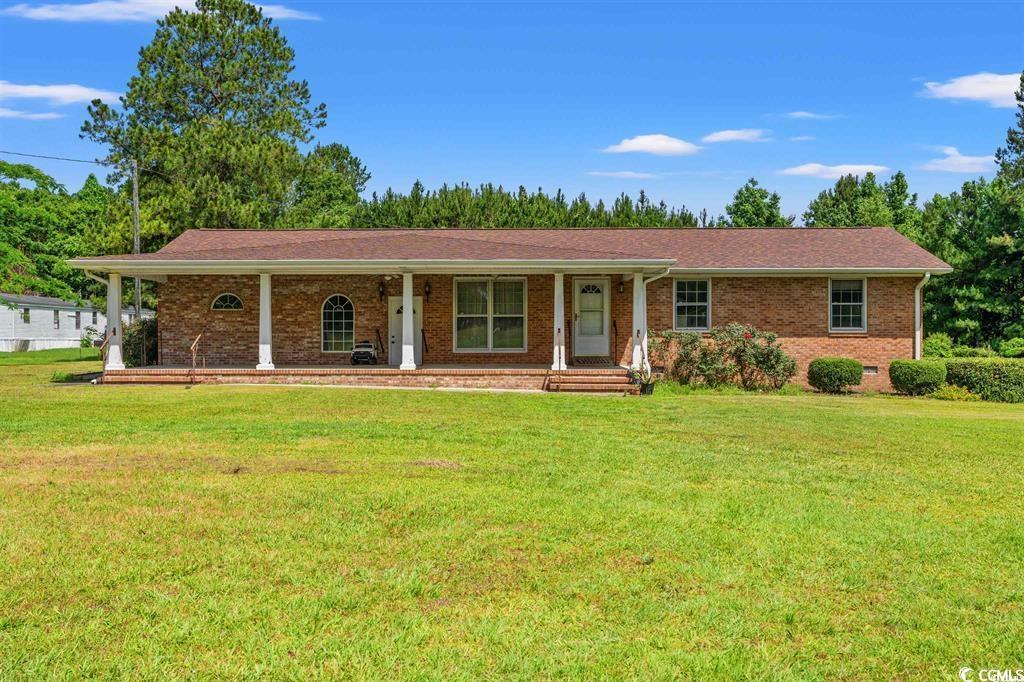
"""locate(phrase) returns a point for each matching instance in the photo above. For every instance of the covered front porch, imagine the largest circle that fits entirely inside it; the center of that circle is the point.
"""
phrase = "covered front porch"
(434, 326)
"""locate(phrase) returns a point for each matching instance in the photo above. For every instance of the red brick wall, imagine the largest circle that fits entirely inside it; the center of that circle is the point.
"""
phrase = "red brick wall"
(795, 308)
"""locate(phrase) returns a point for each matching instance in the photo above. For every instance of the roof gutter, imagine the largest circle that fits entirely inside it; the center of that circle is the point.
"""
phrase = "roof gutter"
(156, 267)
(91, 275)
(919, 316)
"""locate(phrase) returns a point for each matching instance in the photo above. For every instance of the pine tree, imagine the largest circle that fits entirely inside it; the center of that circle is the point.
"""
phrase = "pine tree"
(1011, 157)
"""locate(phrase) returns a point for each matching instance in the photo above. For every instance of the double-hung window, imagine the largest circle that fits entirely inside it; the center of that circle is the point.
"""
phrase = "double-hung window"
(693, 304)
(847, 305)
(26, 315)
(490, 314)
(56, 319)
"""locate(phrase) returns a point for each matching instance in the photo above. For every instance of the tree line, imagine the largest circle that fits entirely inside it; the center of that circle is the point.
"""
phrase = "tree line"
(218, 127)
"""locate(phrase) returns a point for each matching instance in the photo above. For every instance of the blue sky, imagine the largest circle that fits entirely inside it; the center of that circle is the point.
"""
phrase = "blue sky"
(684, 100)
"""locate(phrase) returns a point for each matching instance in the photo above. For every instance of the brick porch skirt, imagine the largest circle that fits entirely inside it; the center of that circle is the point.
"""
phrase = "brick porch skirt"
(518, 378)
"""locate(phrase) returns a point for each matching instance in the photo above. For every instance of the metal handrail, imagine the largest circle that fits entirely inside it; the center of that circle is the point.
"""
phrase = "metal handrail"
(615, 340)
(380, 343)
(195, 349)
(103, 347)
(423, 337)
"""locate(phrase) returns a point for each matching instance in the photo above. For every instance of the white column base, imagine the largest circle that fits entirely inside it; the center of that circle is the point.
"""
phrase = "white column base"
(265, 366)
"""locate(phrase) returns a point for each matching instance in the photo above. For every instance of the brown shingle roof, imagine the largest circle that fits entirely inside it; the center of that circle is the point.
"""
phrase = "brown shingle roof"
(690, 248)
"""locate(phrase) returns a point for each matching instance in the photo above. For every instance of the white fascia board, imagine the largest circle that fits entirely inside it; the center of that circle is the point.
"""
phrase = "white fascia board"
(290, 267)
(807, 272)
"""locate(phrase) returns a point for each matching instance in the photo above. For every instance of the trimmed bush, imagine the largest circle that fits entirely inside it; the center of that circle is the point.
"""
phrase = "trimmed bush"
(1012, 348)
(917, 377)
(968, 352)
(938, 345)
(956, 393)
(996, 379)
(834, 375)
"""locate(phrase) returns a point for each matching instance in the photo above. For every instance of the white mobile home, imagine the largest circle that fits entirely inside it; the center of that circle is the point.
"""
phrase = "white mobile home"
(41, 322)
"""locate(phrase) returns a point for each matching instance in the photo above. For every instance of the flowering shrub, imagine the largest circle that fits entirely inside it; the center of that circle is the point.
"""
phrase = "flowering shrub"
(733, 354)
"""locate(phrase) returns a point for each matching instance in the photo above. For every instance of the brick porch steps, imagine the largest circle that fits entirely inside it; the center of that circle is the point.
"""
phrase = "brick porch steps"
(611, 380)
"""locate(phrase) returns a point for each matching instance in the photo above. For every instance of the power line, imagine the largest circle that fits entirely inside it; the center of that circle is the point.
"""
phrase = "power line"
(178, 178)
(56, 158)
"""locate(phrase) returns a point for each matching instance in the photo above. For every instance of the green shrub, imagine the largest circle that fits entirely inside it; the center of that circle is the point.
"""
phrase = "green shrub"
(676, 353)
(957, 393)
(834, 375)
(131, 344)
(968, 352)
(60, 377)
(732, 354)
(996, 379)
(938, 345)
(1012, 348)
(917, 377)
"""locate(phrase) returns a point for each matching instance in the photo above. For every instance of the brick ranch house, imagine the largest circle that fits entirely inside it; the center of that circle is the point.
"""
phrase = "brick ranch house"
(530, 308)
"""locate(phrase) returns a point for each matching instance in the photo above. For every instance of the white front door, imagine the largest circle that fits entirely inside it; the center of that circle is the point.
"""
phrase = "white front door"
(591, 314)
(395, 329)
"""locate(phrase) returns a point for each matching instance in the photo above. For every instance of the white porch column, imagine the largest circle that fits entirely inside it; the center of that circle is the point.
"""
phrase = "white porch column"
(558, 324)
(639, 321)
(266, 355)
(114, 324)
(408, 327)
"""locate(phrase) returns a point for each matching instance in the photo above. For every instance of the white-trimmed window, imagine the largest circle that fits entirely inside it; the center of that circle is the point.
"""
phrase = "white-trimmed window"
(847, 310)
(338, 322)
(78, 319)
(56, 319)
(26, 315)
(94, 317)
(227, 301)
(692, 304)
(490, 314)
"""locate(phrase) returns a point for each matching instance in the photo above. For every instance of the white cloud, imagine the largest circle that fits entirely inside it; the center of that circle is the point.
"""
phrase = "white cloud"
(127, 10)
(57, 95)
(995, 88)
(628, 175)
(662, 145)
(955, 162)
(29, 115)
(811, 116)
(817, 170)
(802, 138)
(739, 135)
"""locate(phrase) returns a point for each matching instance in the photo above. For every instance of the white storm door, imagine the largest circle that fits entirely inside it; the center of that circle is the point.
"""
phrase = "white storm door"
(395, 329)
(590, 302)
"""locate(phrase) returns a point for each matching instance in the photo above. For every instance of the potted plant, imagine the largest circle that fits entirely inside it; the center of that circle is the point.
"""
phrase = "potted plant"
(643, 376)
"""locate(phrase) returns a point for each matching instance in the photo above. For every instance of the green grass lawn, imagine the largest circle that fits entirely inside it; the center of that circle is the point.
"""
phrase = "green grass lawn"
(155, 532)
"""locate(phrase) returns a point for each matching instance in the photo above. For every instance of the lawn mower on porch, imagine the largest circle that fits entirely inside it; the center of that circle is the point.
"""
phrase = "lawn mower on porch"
(364, 353)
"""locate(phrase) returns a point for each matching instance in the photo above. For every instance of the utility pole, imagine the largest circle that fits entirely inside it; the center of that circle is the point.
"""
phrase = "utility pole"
(136, 250)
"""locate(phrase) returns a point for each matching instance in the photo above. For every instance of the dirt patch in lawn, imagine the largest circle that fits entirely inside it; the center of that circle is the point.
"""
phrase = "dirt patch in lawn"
(438, 464)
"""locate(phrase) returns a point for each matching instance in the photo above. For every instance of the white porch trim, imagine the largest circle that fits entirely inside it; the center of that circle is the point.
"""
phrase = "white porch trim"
(115, 328)
(266, 332)
(558, 324)
(408, 324)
